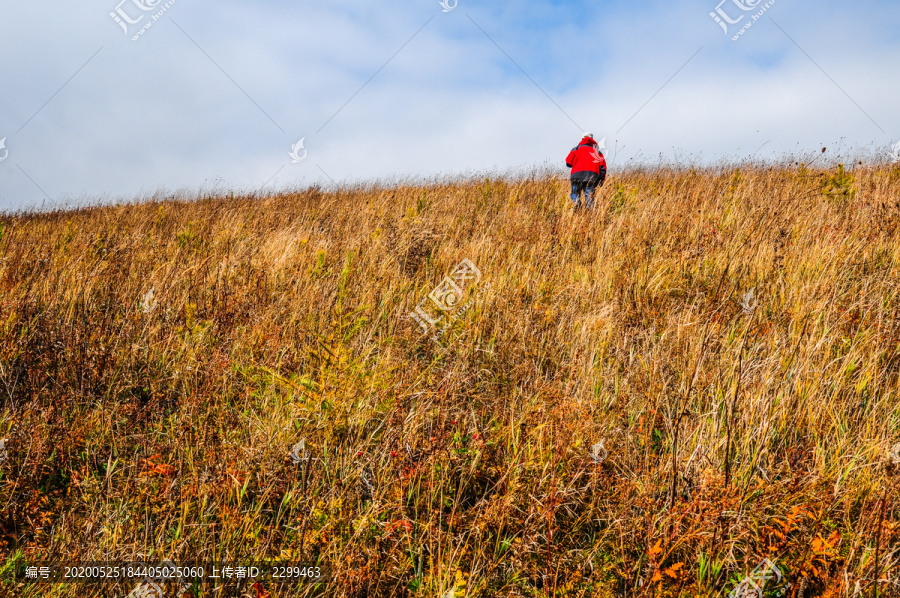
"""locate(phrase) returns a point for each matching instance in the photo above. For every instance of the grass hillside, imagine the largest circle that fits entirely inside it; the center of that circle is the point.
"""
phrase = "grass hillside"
(730, 335)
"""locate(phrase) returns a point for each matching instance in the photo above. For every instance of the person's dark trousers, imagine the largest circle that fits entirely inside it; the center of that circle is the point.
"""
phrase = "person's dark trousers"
(586, 188)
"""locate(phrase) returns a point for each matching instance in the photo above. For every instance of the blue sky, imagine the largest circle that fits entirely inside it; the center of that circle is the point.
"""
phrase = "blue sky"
(213, 96)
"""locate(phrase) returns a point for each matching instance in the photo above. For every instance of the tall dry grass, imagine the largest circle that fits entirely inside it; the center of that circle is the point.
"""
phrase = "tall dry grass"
(738, 426)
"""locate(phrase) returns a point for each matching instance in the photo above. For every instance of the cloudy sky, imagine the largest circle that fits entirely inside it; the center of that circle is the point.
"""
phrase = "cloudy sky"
(213, 96)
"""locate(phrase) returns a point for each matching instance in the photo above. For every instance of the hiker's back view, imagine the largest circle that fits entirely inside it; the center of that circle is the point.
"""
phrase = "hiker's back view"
(588, 170)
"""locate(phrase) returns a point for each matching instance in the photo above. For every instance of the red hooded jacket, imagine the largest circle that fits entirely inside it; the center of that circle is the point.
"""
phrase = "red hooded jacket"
(586, 162)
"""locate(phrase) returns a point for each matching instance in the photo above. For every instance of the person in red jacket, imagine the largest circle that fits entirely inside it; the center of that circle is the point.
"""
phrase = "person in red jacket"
(588, 170)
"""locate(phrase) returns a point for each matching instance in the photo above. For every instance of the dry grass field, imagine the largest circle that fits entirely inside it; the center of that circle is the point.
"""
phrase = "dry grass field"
(729, 334)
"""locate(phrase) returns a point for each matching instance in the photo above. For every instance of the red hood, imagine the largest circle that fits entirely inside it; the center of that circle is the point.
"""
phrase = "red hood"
(587, 141)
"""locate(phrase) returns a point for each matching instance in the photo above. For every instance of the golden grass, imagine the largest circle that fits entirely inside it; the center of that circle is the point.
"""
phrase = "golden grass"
(733, 433)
